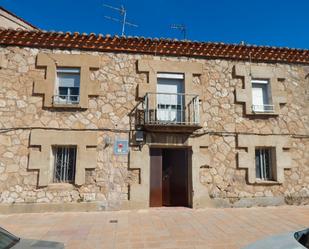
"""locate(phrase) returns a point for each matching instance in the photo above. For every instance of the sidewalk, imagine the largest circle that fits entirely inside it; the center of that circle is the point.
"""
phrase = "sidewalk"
(159, 228)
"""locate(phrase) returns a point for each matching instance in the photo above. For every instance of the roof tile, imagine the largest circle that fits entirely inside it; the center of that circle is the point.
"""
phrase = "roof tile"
(156, 46)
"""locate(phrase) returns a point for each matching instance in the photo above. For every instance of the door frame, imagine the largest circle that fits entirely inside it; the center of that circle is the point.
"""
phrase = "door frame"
(189, 172)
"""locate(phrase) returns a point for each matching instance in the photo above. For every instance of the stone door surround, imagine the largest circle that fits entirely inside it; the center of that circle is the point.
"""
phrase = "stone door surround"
(86, 142)
(139, 195)
(46, 86)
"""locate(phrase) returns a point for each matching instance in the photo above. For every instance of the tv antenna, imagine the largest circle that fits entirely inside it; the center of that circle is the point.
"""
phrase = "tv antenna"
(182, 28)
(123, 14)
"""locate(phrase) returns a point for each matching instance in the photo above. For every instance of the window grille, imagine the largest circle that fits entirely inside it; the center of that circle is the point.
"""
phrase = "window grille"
(64, 163)
(263, 161)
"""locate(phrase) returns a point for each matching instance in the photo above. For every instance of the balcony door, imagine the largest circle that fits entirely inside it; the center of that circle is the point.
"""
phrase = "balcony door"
(170, 98)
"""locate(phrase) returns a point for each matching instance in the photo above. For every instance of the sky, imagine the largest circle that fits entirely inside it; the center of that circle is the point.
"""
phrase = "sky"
(283, 23)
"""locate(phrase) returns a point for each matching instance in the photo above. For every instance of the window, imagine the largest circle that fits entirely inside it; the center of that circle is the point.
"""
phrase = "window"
(170, 97)
(261, 96)
(64, 163)
(263, 163)
(67, 87)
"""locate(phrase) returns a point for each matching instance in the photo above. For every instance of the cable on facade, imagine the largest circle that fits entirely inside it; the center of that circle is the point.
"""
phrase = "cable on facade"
(64, 129)
(230, 133)
(218, 133)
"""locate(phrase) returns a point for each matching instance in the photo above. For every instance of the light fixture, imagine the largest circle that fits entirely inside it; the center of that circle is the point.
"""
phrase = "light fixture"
(107, 140)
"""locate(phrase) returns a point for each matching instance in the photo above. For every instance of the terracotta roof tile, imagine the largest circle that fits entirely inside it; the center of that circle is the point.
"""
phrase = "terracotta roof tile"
(168, 47)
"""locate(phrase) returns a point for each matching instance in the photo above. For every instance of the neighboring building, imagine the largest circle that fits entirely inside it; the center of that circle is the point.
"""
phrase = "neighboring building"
(103, 123)
(8, 20)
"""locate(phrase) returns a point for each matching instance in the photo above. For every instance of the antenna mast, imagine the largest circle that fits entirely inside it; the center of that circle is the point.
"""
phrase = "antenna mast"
(123, 14)
(182, 28)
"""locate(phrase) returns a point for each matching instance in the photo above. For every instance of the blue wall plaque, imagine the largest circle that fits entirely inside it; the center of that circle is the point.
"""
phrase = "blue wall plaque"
(121, 147)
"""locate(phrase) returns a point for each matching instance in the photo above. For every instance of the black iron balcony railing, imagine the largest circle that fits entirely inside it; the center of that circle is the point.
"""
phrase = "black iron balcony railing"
(171, 109)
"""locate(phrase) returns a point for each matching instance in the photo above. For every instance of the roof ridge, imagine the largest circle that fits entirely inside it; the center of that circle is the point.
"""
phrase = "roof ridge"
(163, 39)
(158, 46)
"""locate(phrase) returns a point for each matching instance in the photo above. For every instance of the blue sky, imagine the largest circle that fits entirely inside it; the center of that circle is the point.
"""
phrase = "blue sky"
(262, 22)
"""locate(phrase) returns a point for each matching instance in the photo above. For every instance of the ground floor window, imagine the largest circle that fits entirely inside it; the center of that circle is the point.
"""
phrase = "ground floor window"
(64, 163)
(264, 163)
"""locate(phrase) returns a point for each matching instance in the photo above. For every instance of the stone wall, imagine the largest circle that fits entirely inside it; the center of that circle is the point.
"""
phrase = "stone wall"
(114, 177)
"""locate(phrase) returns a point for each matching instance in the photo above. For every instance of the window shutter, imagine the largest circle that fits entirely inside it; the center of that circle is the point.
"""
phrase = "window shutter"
(68, 80)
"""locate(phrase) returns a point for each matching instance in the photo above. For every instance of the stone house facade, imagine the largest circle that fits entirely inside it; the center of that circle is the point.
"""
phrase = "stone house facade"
(9, 20)
(85, 124)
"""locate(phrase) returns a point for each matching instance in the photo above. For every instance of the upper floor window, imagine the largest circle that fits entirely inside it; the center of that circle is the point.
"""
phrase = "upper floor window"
(64, 164)
(261, 96)
(264, 163)
(67, 86)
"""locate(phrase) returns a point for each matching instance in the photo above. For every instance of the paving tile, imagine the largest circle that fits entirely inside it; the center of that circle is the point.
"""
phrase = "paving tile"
(160, 228)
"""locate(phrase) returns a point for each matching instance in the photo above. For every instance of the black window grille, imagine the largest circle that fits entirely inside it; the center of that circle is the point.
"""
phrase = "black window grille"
(64, 163)
(263, 163)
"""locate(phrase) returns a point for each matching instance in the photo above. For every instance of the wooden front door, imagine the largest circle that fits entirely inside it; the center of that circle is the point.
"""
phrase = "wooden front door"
(175, 177)
(170, 183)
(155, 177)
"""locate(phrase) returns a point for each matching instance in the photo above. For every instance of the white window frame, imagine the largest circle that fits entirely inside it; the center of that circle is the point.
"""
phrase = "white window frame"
(267, 107)
(266, 165)
(68, 98)
(170, 76)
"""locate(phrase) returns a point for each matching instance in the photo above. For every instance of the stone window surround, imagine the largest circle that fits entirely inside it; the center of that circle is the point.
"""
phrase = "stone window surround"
(249, 72)
(42, 160)
(246, 159)
(46, 86)
(152, 67)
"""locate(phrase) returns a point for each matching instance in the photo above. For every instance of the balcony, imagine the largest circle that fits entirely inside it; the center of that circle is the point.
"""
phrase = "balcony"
(65, 100)
(170, 112)
(263, 108)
